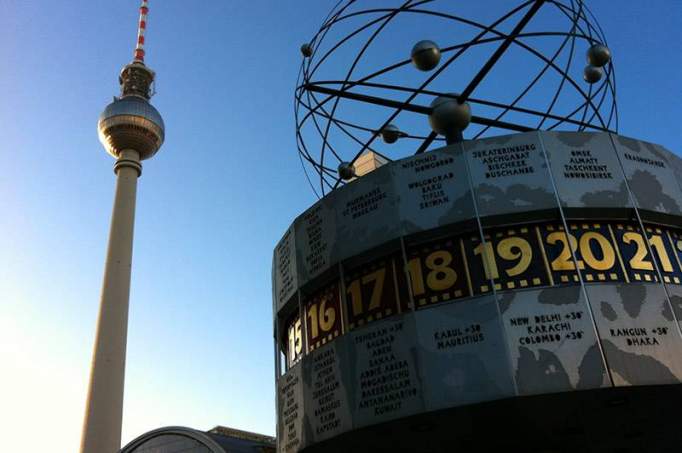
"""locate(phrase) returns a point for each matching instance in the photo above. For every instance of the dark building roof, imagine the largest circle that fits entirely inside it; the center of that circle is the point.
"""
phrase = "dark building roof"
(235, 440)
(221, 439)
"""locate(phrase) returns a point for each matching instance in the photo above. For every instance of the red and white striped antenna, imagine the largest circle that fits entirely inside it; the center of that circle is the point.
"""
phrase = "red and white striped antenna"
(142, 27)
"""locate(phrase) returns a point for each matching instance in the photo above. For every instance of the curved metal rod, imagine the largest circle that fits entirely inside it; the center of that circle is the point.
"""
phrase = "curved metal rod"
(440, 70)
(610, 79)
(444, 50)
(580, 107)
(532, 51)
(474, 24)
(355, 32)
(527, 48)
(529, 87)
(317, 41)
(566, 69)
(350, 125)
(319, 87)
(350, 72)
(338, 124)
(315, 106)
(368, 143)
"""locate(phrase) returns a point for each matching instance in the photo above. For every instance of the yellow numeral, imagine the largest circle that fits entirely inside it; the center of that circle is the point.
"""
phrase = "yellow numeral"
(328, 316)
(657, 244)
(509, 249)
(609, 254)
(638, 262)
(485, 250)
(354, 290)
(564, 262)
(505, 249)
(323, 320)
(440, 277)
(414, 268)
(295, 340)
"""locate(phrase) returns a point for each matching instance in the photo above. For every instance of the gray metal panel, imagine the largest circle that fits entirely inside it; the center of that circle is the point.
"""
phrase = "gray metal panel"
(284, 268)
(291, 410)
(385, 372)
(650, 176)
(273, 287)
(462, 354)
(327, 405)
(509, 174)
(366, 213)
(552, 341)
(433, 189)
(586, 169)
(676, 164)
(675, 293)
(315, 232)
(640, 338)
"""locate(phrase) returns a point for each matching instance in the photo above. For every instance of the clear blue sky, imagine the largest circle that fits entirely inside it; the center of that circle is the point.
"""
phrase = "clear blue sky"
(211, 204)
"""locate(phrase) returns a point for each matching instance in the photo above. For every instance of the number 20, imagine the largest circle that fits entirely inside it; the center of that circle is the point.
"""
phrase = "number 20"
(564, 262)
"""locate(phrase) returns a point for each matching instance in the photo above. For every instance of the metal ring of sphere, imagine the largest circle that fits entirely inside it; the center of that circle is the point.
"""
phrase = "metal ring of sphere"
(307, 50)
(425, 55)
(390, 134)
(346, 171)
(592, 74)
(448, 115)
(598, 55)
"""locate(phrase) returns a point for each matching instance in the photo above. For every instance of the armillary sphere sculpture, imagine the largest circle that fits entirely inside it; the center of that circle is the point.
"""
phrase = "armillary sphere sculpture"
(395, 79)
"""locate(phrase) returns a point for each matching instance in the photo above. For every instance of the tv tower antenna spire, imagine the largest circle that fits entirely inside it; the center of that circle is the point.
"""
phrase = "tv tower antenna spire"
(131, 130)
(141, 28)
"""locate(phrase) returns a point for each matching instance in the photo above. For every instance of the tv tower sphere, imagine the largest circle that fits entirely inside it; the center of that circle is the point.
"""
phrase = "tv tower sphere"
(518, 65)
(131, 123)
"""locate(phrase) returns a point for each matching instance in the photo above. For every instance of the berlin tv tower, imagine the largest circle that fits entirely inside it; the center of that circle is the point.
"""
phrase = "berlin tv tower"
(131, 130)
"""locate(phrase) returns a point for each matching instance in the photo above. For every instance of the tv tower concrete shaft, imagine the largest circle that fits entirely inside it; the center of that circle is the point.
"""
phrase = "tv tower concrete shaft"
(104, 410)
(131, 130)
